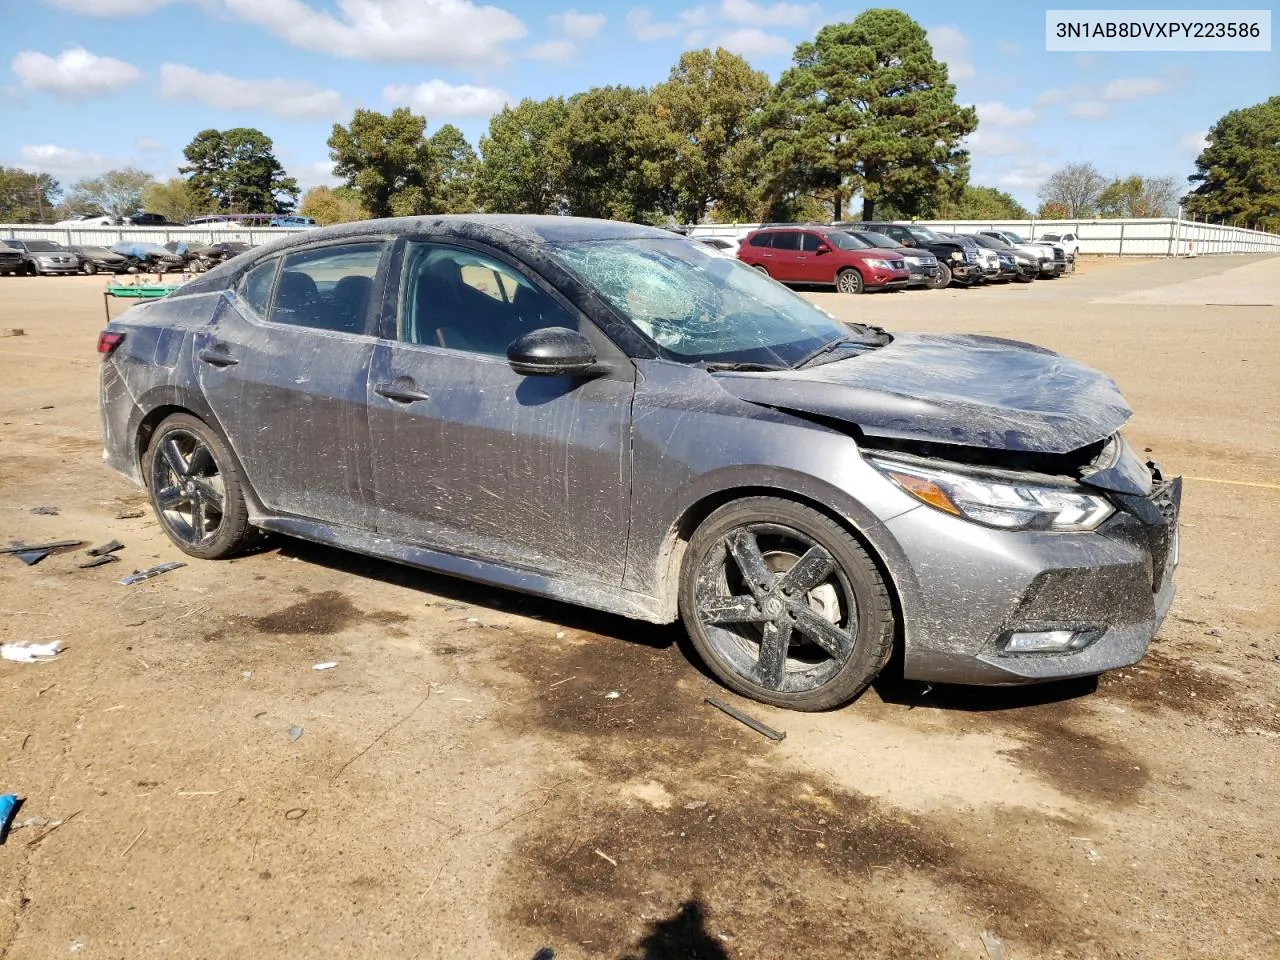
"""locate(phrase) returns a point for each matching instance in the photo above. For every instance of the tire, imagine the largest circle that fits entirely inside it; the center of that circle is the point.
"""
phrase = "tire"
(761, 267)
(839, 632)
(89, 269)
(196, 490)
(849, 280)
(943, 279)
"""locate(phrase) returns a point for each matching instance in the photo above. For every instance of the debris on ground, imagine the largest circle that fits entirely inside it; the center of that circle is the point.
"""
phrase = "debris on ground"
(99, 561)
(132, 513)
(45, 511)
(612, 695)
(754, 724)
(104, 549)
(993, 945)
(9, 804)
(139, 575)
(27, 822)
(546, 953)
(295, 733)
(328, 665)
(13, 332)
(30, 652)
(33, 553)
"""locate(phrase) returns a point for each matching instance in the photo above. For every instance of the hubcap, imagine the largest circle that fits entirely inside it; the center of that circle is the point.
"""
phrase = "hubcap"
(776, 607)
(190, 493)
(849, 283)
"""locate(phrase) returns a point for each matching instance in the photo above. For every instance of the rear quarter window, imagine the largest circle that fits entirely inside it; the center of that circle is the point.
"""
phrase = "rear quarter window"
(761, 240)
(255, 286)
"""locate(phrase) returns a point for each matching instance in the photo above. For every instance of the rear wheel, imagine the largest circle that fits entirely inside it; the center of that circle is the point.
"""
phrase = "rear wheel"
(196, 489)
(761, 268)
(849, 280)
(784, 605)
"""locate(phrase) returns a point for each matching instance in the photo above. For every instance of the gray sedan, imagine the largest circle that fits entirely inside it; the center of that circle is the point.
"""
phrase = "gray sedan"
(617, 417)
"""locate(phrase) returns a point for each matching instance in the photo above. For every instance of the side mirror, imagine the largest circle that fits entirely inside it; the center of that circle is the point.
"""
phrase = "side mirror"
(551, 352)
(823, 248)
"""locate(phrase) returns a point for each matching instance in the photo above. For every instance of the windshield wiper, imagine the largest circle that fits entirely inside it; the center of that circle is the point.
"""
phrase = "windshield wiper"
(826, 348)
(743, 366)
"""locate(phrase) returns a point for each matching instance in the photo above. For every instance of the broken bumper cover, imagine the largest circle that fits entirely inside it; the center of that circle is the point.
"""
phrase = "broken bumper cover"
(974, 589)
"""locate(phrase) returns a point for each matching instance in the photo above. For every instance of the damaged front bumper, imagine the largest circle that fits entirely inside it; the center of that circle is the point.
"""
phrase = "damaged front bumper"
(988, 606)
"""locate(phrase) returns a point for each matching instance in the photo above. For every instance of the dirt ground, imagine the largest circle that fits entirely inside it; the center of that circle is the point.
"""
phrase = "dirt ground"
(466, 784)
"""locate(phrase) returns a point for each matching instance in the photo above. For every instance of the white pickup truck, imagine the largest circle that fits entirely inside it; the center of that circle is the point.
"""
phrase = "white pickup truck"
(1052, 256)
(1068, 240)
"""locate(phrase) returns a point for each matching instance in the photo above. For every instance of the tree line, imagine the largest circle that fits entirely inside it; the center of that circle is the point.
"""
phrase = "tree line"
(865, 111)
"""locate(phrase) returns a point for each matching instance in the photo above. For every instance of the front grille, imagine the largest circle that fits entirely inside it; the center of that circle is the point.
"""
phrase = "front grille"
(897, 264)
(971, 256)
(1059, 253)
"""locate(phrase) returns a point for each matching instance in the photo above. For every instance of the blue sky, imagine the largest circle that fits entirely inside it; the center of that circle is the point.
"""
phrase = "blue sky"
(93, 84)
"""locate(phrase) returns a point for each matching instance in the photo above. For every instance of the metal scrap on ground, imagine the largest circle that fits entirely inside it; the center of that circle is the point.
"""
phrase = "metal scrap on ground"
(30, 652)
(33, 553)
(8, 807)
(99, 561)
(105, 548)
(751, 722)
(139, 575)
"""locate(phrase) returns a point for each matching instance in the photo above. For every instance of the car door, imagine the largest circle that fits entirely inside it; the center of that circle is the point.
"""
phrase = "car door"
(475, 459)
(786, 253)
(284, 366)
(758, 251)
(811, 265)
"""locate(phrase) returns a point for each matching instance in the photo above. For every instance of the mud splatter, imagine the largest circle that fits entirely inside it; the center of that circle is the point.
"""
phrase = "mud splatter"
(321, 614)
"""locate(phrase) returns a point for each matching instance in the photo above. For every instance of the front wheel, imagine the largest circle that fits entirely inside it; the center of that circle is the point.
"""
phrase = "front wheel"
(784, 605)
(196, 489)
(943, 279)
(89, 269)
(849, 280)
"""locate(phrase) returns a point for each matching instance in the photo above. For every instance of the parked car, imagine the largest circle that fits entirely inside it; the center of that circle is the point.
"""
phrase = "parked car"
(921, 264)
(190, 253)
(1026, 268)
(1068, 241)
(45, 257)
(658, 432)
(143, 257)
(955, 262)
(94, 259)
(726, 245)
(292, 222)
(216, 253)
(89, 220)
(1052, 258)
(823, 255)
(143, 219)
(987, 259)
(10, 260)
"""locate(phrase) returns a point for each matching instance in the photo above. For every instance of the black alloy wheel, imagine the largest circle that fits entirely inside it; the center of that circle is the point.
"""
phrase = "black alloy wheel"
(784, 605)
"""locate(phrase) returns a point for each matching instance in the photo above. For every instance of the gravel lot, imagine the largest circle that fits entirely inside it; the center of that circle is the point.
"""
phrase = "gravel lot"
(463, 787)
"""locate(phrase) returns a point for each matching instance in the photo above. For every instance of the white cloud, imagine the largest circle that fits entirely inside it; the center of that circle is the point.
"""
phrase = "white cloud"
(317, 174)
(1085, 61)
(46, 157)
(580, 26)
(998, 114)
(435, 98)
(447, 31)
(1194, 142)
(1028, 177)
(288, 98)
(949, 45)
(1060, 94)
(1007, 48)
(148, 144)
(556, 51)
(982, 143)
(1089, 108)
(75, 74)
(754, 42)
(1134, 88)
(644, 28)
(769, 14)
(108, 8)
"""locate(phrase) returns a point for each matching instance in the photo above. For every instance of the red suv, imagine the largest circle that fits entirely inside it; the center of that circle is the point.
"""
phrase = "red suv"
(828, 255)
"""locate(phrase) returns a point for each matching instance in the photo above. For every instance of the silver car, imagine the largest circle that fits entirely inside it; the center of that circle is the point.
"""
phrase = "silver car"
(617, 417)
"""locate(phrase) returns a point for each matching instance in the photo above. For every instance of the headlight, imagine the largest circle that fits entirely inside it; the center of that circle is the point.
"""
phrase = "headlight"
(914, 261)
(999, 503)
(876, 262)
(957, 255)
(45, 258)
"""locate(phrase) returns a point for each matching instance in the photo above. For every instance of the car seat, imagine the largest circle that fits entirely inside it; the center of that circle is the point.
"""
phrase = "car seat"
(351, 303)
(297, 300)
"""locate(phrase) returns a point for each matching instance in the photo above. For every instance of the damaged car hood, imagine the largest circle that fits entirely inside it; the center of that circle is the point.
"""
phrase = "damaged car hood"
(951, 388)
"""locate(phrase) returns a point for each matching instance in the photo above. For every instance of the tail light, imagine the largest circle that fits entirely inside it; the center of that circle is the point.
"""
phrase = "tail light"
(108, 341)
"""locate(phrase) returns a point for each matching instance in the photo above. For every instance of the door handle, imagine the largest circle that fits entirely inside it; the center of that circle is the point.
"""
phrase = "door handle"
(217, 358)
(401, 390)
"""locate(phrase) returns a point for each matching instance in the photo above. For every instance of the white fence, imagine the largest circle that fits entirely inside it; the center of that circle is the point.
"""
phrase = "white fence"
(1162, 237)
(106, 236)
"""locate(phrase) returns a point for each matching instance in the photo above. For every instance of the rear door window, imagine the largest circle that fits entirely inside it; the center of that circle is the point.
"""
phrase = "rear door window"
(786, 240)
(327, 289)
(762, 240)
(809, 242)
(255, 287)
